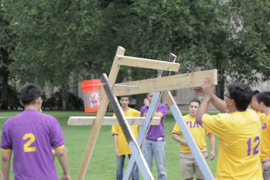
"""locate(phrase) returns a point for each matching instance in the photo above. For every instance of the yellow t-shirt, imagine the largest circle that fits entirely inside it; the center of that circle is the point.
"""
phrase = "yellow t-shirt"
(239, 136)
(196, 130)
(122, 145)
(261, 115)
(265, 142)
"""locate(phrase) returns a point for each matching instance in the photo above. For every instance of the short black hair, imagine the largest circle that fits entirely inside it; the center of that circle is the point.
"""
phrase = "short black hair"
(241, 94)
(255, 93)
(195, 100)
(125, 96)
(264, 97)
(29, 93)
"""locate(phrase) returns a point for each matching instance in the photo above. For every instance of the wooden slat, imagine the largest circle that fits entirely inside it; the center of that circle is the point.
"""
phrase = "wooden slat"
(89, 120)
(180, 81)
(147, 63)
(100, 114)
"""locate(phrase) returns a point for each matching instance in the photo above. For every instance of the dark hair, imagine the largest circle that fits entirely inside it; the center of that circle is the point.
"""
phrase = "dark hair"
(195, 100)
(255, 93)
(29, 93)
(125, 96)
(264, 97)
(241, 94)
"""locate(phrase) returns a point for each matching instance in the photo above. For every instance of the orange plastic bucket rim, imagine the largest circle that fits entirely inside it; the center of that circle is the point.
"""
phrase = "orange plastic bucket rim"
(90, 83)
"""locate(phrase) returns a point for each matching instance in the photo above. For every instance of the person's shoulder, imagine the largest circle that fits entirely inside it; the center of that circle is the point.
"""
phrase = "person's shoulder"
(10, 121)
(133, 110)
(162, 105)
(49, 119)
(189, 117)
(143, 108)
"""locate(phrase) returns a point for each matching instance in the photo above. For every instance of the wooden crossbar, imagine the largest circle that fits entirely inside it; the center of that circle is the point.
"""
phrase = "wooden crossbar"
(147, 63)
(89, 120)
(181, 81)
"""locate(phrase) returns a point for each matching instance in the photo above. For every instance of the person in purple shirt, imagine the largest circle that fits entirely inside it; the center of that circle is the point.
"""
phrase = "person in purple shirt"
(154, 143)
(31, 135)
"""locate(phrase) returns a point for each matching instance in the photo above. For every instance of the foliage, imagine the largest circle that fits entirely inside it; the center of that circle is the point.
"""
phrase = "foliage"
(13, 101)
(55, 101)
(64, 39)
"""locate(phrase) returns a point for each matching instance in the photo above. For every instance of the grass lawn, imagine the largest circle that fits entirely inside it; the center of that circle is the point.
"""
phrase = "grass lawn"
(103, 162)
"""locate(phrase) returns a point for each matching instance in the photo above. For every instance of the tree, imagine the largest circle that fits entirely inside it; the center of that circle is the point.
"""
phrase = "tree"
(6, 45)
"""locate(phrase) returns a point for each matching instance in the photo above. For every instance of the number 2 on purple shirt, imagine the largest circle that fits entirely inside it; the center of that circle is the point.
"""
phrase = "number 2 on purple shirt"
(255, 150)
(29, 142)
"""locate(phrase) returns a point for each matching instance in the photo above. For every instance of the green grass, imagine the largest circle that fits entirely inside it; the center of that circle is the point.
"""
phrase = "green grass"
(103, 162)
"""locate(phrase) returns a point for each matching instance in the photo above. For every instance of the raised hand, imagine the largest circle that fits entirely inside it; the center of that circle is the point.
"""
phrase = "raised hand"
(197, 91)
(208, 88)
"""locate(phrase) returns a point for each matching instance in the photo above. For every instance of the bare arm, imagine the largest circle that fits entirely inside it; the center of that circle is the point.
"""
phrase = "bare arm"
(219, 104)
(6, 158)
(177, 138)
(62, 157)
(212, 141)
(115, 145)
(207, 90)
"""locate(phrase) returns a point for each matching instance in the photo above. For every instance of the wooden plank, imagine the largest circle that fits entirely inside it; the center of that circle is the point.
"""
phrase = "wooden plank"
(100, 114)
(89, 120)
(181, 81)
(147, 63)
(188, 136)
(132, 142)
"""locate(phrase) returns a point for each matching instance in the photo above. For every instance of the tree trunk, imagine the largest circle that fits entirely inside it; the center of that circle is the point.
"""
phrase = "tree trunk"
(221, 84)
(4, 99)
(64, 97)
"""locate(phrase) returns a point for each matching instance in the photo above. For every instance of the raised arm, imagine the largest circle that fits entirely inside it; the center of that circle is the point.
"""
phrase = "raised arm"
(217, 102)
(207, 90)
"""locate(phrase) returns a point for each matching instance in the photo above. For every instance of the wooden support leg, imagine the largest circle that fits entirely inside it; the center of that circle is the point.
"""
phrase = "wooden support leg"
(100, 114)
(135, 149)
(147, 121)
(188, 136)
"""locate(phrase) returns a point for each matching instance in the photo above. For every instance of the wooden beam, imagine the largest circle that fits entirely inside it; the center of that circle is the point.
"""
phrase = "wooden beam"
(147, 63)
(89, 120)
(100, 114)
(180, 81)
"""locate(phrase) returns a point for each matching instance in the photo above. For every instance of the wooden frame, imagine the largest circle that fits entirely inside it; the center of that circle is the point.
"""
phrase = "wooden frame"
(89, 120)
(157, 84)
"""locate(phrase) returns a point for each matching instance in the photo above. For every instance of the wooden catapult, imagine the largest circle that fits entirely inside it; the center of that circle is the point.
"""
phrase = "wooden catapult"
(161, 87)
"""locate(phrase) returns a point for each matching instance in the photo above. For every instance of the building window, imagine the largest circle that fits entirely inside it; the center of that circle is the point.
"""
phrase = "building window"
(174, 93)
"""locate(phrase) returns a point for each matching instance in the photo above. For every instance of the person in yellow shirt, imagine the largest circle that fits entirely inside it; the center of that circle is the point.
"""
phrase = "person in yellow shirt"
(120, 143)
(188, 164)
(254, 105)
(264, 106)
(239, 131)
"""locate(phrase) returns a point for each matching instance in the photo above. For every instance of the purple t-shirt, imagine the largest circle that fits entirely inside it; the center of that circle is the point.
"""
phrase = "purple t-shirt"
(31, 135)
(156, 131)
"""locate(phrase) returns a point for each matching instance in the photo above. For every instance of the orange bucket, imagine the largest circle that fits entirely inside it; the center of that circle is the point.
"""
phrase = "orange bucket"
(91, 95)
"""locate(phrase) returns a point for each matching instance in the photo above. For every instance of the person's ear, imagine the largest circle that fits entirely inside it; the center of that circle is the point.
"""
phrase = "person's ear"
(21, 103)
(232, 103)
(39, 100)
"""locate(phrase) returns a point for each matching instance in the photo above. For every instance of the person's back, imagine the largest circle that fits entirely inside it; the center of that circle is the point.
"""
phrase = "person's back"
(30, 135)
(239, 144)
(239, 131)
